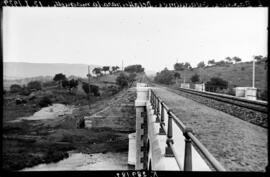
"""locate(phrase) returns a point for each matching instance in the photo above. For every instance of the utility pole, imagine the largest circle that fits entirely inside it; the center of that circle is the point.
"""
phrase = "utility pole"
(88, 75)
(122, 66)
(253, 74)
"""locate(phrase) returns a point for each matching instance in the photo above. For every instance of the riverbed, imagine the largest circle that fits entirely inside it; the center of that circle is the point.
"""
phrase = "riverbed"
(81, 161)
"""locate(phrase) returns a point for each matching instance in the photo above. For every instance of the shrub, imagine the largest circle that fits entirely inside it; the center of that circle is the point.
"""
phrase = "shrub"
(45, 101)
(216, 83)
(195, 78)
(15, 88)
(113, 89)
(25, 91)
(242, 68)
(93, 89)
(34, 85)
(49, 84)
(122, 80)
(264, 96)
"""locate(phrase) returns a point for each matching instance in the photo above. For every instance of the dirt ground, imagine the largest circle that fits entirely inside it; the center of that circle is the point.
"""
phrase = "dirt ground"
(236, 144)
(27, 143)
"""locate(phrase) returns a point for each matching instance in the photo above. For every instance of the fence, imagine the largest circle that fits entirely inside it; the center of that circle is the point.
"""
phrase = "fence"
(160, 109)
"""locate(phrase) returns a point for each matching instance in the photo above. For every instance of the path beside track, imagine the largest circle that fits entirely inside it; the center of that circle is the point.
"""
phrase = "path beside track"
(238, 145)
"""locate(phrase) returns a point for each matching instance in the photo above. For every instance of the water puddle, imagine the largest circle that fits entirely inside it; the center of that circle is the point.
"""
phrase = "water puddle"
(81, 161)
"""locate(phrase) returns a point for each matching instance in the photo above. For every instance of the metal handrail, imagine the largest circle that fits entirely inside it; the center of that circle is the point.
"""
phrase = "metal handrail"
(189, 138)
(206, 153)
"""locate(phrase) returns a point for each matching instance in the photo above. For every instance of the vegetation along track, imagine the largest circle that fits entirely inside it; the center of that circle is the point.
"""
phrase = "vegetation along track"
(252, 111)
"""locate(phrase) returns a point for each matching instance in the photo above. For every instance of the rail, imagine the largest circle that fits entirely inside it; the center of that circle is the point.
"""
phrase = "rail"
(260, 106)
(160, 108)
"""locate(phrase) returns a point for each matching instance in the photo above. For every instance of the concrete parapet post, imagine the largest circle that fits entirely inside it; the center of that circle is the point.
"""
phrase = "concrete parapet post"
(251, 93)
(141, 126)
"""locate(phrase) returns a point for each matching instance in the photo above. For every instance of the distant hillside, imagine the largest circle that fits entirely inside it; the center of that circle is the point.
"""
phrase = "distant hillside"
(236, 74)
(18, 70)
(8, 81)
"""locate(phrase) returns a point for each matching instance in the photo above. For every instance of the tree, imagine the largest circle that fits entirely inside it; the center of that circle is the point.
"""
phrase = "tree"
(182, 66)
(211, 62)
(201, 64)
(105, 68)
(195, 78)
(97, 71)
(73, 83)
(164, 77)
(260, 59)
(221, 63)
(132, 77)
(134, 69)
(15, 88)
(228, 59)
(93, 89)
(236, 59)
(59, 78)
(216, 83)
(115, 68)
(122, 80)
(178, 67)
(34, 85)
(187, 65)
(176, 76)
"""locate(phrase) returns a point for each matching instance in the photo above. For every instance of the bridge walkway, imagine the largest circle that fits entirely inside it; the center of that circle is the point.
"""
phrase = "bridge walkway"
(236, 144)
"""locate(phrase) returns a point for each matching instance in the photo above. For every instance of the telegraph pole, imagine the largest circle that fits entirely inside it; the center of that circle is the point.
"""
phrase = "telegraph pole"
(88, 75)
(122, 66)
(253, 74)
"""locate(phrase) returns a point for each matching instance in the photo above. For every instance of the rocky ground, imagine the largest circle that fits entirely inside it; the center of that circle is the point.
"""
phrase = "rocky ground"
(36, 139)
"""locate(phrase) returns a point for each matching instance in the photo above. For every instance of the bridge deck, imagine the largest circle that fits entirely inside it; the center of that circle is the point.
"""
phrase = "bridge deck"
(236, 144)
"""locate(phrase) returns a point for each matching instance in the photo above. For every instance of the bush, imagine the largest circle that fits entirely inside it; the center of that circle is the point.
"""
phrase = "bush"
(15, 88)
(122, 80)
(264, 96)
(34, 85)
(93, 89)
(164, 77)
(228, 91)
(216, 83)
(195, 78)
(49, 84)
(113, 89)
(25, 91)
(45, 101)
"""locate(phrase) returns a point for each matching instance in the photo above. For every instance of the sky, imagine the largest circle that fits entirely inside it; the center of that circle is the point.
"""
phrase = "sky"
(153, 37)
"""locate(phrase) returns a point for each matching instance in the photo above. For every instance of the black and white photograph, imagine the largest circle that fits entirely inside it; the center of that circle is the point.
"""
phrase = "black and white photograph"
(135, 89)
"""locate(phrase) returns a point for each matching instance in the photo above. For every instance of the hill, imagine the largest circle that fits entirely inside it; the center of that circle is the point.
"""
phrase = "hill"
(19, 70)
(238, 75)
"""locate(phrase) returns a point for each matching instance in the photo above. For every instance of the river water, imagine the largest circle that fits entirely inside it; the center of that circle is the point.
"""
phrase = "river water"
(80, 161)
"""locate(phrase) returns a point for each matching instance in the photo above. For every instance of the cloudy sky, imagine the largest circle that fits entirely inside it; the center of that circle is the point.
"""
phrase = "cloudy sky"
(153, 37)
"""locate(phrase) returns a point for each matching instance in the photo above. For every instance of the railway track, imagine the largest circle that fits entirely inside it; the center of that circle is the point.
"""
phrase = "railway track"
(255, 112)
